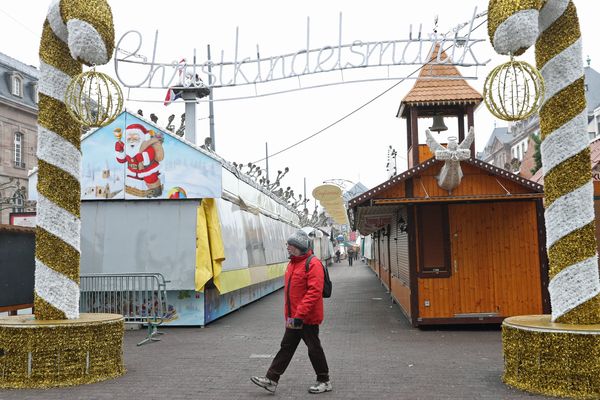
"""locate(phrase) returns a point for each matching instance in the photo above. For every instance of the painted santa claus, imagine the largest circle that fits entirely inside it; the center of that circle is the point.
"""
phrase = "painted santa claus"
(142, 151)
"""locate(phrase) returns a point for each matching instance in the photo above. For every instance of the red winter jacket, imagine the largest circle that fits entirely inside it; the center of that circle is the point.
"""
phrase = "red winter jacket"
(305, 290)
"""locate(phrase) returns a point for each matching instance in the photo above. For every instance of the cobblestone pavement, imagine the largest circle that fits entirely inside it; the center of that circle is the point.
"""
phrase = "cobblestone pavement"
(372, 351)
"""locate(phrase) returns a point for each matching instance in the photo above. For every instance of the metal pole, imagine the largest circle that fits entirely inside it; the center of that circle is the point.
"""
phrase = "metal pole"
(190, 115)
(211, 111)
(267, 159)
(305, 191)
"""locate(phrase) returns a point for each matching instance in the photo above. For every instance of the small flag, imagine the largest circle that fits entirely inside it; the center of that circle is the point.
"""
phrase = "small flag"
(171, 96)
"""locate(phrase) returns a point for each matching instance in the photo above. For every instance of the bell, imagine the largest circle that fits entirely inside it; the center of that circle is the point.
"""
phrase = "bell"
(438, 124)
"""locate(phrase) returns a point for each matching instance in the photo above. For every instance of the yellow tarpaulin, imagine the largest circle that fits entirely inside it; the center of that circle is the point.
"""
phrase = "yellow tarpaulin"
(229, 281)
(210, 252)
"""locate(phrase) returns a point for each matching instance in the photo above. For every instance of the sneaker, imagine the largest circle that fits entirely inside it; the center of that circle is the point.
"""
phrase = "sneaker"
(265, 383)
(320, 387)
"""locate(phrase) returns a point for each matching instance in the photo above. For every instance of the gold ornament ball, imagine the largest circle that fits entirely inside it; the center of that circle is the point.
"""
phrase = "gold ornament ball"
(513, 91)
(94, 99)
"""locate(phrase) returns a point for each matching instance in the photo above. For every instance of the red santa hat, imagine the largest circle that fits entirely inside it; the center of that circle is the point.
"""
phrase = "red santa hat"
(139, 129)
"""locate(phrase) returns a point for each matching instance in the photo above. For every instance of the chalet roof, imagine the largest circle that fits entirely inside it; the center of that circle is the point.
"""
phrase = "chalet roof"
(536, 187)
(439, 84)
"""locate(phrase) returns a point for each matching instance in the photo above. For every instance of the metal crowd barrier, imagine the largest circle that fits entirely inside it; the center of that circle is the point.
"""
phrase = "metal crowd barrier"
(140, 297)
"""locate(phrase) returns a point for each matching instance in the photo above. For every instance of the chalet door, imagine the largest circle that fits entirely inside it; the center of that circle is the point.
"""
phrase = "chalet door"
(472, 250)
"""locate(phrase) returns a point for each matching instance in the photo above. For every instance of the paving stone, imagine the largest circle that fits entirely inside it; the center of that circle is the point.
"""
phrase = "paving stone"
(372, 351)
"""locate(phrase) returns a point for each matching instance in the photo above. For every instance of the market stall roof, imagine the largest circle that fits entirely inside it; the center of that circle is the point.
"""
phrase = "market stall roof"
(375, 208)
(439, 85)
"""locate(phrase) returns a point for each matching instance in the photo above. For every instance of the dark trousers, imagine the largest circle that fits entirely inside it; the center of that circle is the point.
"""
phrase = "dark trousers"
(350, 259)
(289, 343)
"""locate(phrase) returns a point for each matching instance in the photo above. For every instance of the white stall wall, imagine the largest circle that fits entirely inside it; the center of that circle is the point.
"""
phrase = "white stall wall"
(140, 236)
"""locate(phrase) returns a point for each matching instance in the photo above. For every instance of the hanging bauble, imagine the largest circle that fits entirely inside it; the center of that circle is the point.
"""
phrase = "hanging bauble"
(94, 99)
(513, 91)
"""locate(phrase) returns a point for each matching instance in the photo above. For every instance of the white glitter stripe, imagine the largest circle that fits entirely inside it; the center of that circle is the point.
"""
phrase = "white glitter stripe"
(85, 43)
(563, 69)
(56, 22)
(58, 151)
(565, 142)
(57, 290)
(520, 30)
(562, 217)
(53, 81)
(573, 286)
(551, 11)
(58, 222)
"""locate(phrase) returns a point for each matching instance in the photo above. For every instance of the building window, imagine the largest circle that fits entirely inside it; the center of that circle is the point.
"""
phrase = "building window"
(434, 241)
(17, 85)
(19, 163)
(18, 201)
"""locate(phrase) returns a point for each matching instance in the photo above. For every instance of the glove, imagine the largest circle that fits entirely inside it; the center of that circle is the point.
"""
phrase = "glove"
(119, 146)
(294, 323)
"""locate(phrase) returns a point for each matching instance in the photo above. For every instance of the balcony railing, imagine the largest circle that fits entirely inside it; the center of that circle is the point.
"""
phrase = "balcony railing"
(19, 164)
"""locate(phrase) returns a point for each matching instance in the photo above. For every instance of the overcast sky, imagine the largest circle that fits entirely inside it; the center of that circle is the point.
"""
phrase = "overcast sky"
(354, 149)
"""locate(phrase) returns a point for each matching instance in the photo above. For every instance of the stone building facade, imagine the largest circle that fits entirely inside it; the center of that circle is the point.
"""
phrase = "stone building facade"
(18, 134)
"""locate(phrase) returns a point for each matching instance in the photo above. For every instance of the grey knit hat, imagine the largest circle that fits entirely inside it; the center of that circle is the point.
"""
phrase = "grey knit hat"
(300, 240)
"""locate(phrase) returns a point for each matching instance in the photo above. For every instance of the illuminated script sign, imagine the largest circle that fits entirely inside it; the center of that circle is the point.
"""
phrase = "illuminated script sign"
(134, 70)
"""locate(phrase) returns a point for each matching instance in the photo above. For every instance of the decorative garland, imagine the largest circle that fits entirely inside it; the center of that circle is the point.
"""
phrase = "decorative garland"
(513, 27)
(557, 362)
(45, 354)
(75, 32)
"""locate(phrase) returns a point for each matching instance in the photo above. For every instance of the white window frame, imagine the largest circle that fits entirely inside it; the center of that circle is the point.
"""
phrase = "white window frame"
(17, 85)
(18, 149)
(18, 202)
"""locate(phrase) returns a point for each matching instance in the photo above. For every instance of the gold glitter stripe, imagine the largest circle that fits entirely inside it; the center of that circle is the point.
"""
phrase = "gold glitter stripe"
(54, 116)
(500, 10)
(567, 176)
(97, 14)
(57, 254)
(585, 313)
(577, 246)
(55, 52)
(59, 187)
(562, 107)
(559, 363)
(560, 35)
(46, 311)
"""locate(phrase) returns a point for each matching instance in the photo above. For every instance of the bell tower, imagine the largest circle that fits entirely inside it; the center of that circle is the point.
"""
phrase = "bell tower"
(440, 91)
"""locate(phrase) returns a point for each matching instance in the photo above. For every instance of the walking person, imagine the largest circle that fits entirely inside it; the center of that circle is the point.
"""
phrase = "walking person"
(350, 255)
(303, 313)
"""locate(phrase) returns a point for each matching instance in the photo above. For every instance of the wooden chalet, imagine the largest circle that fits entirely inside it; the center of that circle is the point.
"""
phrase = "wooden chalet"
(475, 254)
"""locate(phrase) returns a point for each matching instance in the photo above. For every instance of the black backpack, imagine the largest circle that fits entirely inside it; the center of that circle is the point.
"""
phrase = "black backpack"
(327, 285)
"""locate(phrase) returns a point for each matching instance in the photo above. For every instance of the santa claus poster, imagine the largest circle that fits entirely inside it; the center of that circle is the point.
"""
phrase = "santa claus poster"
(133, 159)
